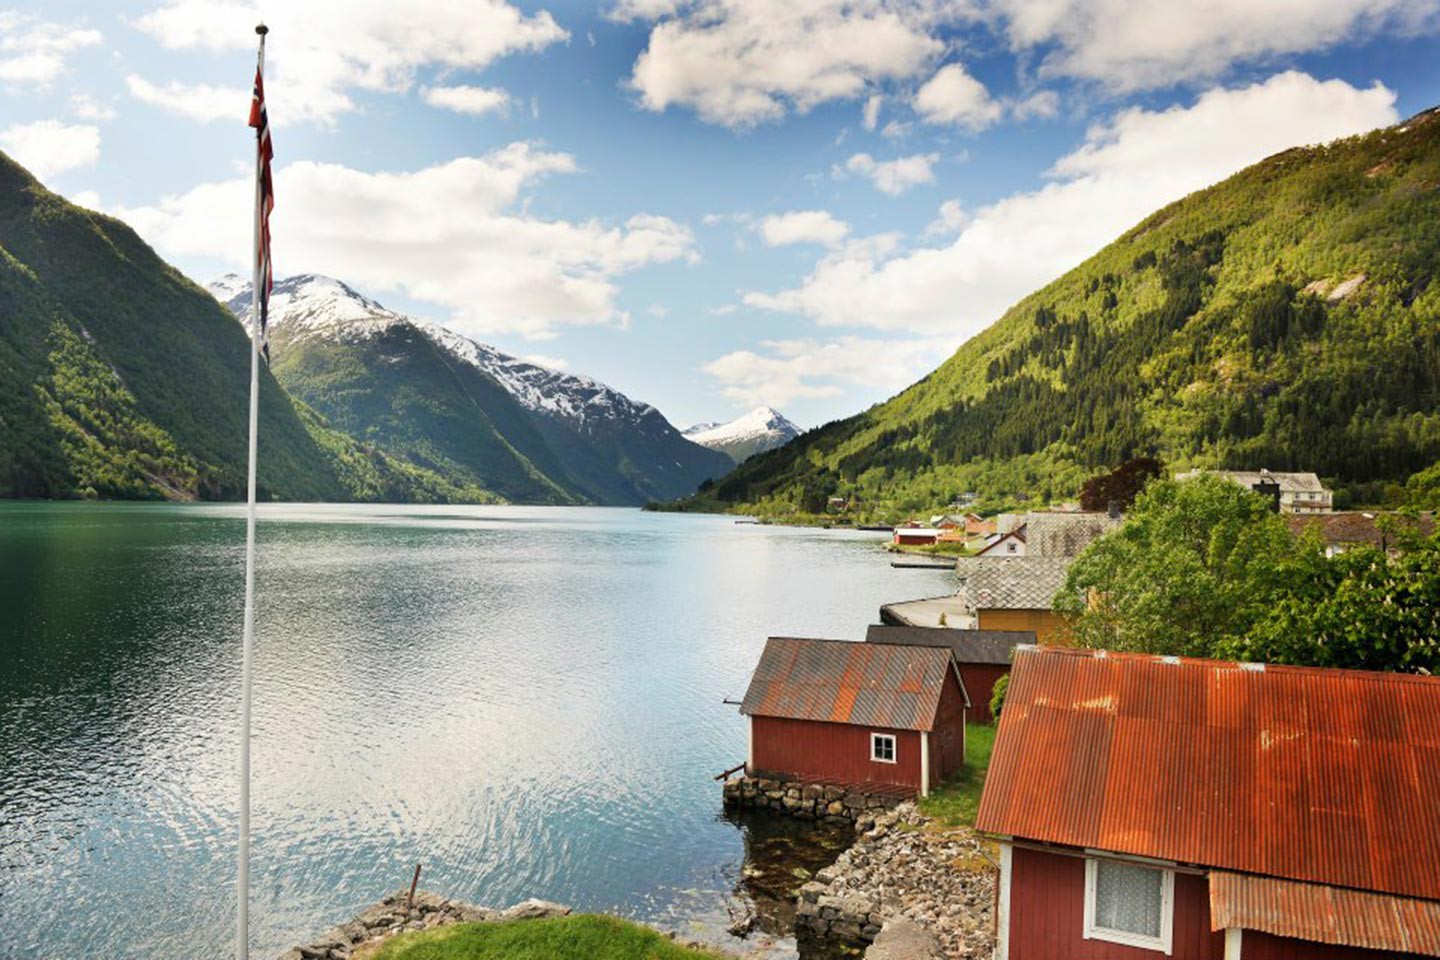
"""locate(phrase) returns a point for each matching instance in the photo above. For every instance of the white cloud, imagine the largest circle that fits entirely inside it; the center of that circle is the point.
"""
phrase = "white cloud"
(658, 310)
(627, 11)
(952, 96)
(950, 220)
(743, 62)
(892, 176)
(1043, 104)
(48, 147)
(803, 226)
(554, 363)
(1133, 44)
(1126, 169)
(475, 101)
(33, 52)
(872, 111)
(454, 234)
(86, 107)
(321, 51)
(194, 101)
(787, 370)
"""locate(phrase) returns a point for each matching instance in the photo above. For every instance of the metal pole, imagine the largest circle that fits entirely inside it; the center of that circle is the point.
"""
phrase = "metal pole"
(242, 923)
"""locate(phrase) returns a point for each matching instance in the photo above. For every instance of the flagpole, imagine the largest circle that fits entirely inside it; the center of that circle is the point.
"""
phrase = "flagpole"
(242, 924)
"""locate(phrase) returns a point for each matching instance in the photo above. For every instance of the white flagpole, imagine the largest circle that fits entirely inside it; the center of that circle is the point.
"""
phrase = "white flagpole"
(242, 925)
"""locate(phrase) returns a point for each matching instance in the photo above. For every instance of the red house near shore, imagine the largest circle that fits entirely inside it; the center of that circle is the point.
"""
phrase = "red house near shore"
(874, 717)
(1207, 810)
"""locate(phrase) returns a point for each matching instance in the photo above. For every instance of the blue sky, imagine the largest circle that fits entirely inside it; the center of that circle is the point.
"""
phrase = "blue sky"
(709, 204)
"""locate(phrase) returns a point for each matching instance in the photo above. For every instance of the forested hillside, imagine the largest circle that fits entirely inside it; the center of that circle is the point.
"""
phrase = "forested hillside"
(121, 378)
(1285, 318)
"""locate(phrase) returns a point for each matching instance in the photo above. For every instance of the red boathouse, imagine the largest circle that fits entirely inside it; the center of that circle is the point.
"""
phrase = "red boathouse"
(1207, 810)
(870, 716)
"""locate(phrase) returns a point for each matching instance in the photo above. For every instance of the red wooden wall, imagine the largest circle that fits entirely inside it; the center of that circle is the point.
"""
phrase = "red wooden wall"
(980, 682)
(1047, 921)
(947, 740)
(815, 750)
(1047, 914)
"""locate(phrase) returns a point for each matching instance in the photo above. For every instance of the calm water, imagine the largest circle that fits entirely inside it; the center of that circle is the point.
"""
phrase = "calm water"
(526, 700)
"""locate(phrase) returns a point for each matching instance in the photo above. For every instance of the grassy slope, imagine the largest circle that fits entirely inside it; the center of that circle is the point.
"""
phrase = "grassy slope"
(579, 937)
(1190, 337)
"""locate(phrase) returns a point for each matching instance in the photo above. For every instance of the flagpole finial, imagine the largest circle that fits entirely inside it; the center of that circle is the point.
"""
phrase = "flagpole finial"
(261, 29)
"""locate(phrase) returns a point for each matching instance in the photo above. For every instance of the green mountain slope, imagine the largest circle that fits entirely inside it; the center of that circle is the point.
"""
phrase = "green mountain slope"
(395, 390)
(1287, 318)
(121, 378)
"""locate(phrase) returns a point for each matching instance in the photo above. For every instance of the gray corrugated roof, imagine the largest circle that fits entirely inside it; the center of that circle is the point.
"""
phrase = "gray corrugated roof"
(1011, 583)
(969, 646)
(839, 681)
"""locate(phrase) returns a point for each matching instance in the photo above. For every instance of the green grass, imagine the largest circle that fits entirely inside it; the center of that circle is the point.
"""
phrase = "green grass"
(579, 937)
(957, 800)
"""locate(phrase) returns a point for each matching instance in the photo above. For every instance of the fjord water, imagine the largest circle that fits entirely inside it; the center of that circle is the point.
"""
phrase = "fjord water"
(526, 700)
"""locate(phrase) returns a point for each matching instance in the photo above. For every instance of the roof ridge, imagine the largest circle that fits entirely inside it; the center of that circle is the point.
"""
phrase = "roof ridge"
(1247, 666)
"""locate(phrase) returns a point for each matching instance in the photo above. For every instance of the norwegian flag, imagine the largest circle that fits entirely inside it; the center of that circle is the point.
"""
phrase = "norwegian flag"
(266, 199)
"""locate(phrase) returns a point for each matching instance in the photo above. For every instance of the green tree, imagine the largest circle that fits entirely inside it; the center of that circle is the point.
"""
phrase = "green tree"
(1205, 569)
(1366, 610)
(1195, 564)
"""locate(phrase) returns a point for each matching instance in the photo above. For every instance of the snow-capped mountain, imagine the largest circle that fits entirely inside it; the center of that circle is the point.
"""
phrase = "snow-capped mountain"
(763, 428)
(585, 437)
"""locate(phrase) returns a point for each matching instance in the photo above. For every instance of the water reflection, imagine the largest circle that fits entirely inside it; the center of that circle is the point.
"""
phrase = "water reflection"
(527, 700)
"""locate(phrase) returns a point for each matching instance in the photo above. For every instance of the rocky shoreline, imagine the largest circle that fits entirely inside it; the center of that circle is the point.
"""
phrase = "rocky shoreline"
(395, 914)
(932, 889)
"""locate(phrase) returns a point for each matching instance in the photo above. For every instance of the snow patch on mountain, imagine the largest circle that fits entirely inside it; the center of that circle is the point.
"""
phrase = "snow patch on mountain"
(763, 428)
(310, 305)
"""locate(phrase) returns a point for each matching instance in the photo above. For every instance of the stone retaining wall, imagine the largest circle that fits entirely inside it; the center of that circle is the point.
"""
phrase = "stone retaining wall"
(808, 801)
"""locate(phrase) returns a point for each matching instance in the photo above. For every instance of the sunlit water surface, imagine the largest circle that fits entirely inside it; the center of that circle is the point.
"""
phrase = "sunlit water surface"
(525, 700)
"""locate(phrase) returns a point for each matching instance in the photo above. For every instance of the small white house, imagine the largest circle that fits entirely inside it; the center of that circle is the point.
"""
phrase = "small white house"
(1299, 492)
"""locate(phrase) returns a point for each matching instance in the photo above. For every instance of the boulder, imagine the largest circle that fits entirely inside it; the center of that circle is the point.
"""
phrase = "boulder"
(905, 940)
(533, 909)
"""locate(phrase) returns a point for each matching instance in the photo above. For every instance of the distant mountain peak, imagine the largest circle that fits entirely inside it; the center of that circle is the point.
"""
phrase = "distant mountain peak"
(619, 449)
(756, 431)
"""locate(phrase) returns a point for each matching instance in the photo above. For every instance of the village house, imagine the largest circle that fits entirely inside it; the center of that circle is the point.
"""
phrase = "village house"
(981, 656)
(915, 536)
(871, 717)
(1297, 492)
(1206, 810)
(1010, 544)
(1014, 593)
(1346, 530)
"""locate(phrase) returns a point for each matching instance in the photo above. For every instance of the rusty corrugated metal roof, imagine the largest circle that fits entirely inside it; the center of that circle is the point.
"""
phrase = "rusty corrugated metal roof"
(1328, 776)
(870, 684)
(1323, 914)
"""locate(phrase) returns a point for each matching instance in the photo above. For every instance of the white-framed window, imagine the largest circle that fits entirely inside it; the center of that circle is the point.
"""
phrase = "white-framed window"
(882, 747)
(1129, 903)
